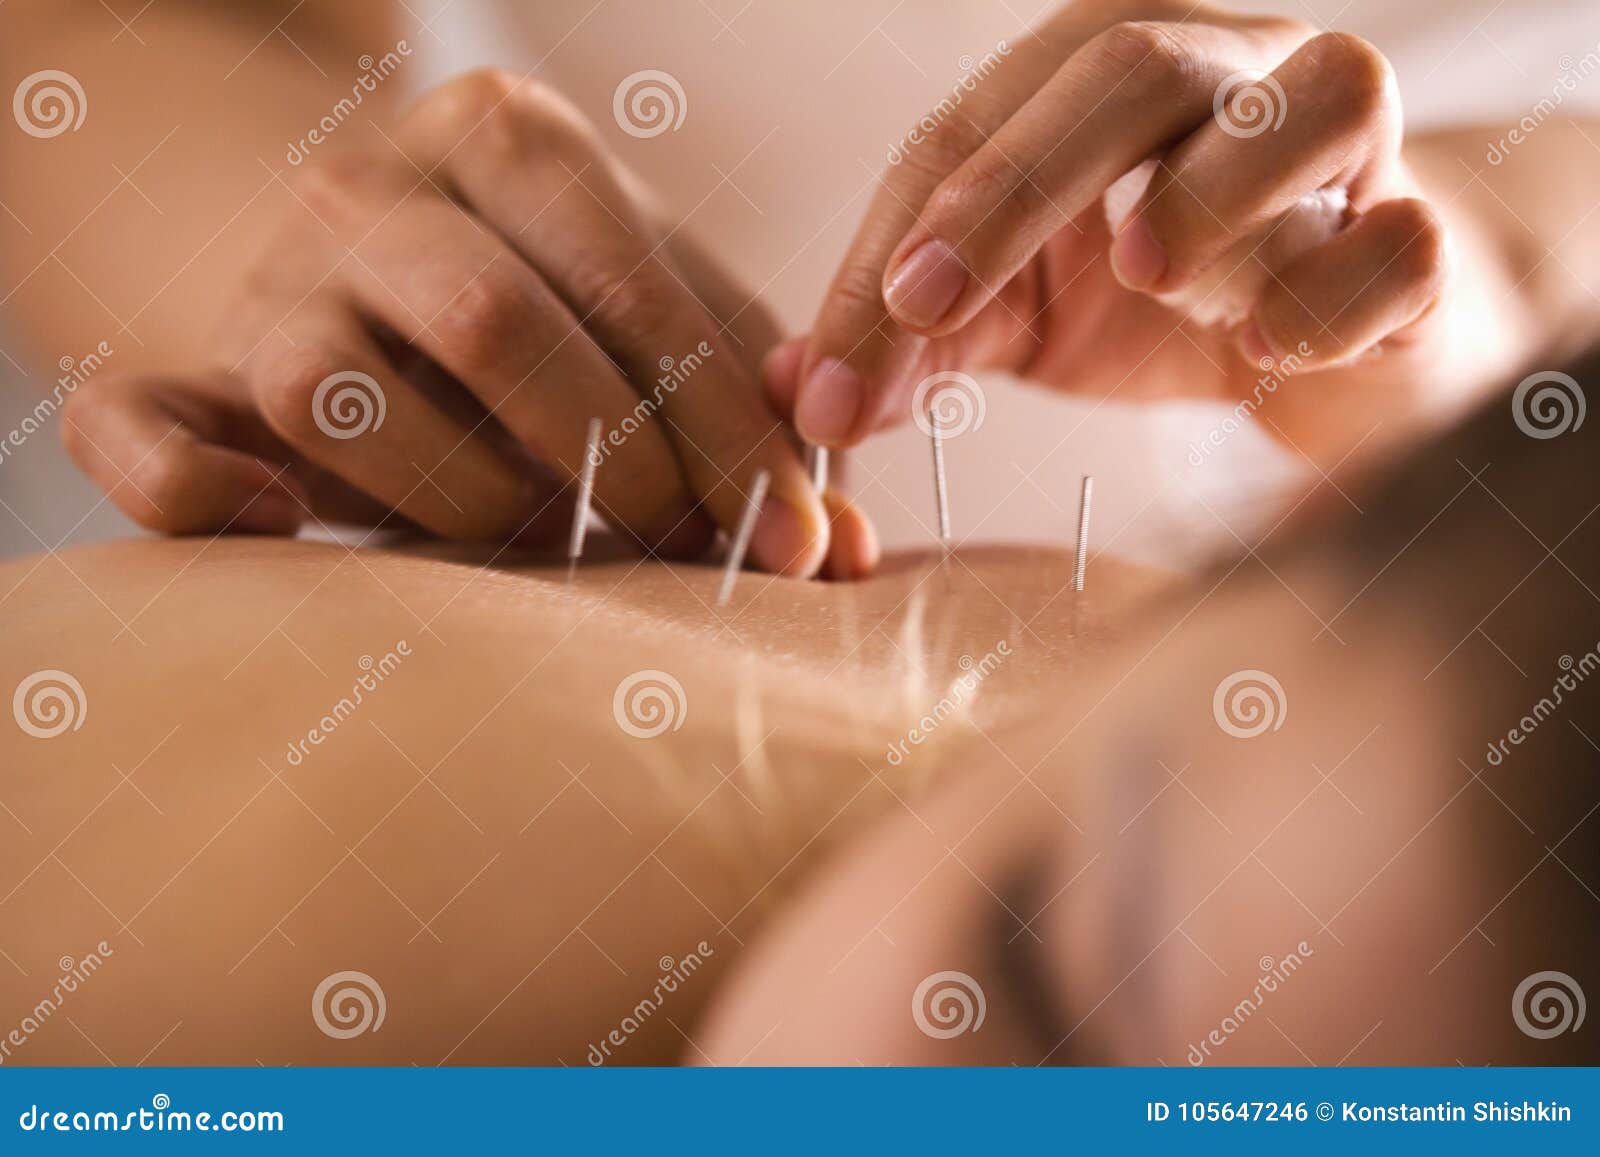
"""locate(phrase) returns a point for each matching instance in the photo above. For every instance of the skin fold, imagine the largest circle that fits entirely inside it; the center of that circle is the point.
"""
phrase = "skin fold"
(478, 835)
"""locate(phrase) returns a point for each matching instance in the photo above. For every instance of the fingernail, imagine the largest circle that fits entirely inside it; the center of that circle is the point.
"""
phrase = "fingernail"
(270, 513)
(1137, 258)
(1253, 345)
(782, 543)
(829, 401)
(924, 287)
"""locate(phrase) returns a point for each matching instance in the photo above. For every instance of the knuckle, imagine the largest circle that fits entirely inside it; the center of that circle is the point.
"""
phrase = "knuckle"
(485, 321)
(85, 407)
(1285, 29)
(1150, 55)
(1359, 76)
(260, 279)
(952, 202)
(285, 386)
(632, 303)
(156, 488)
(987, 183)
(548, 113)
(505, 112)
(92, 413)
(857, 288)
(939, 144)
(468, 98)
(335, 186)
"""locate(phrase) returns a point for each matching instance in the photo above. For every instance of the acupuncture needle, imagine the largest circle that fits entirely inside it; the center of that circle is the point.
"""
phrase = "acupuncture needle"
(1084, 500)
(741, 538)
(580, 515)
(819, 468)
(941, 493)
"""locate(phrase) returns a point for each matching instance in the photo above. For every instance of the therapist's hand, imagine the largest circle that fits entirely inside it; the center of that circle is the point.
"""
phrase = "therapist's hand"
(428, 335)
(987, 244)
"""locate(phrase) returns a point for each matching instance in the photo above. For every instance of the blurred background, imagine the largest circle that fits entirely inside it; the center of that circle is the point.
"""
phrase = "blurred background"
(116, 237)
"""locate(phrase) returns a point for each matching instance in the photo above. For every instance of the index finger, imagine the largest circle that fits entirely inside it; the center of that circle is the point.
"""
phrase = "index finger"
(858, 355)
(533, 169)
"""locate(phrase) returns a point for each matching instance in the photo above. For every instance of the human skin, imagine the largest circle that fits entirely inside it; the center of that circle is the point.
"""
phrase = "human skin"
(988, 245)
(478, 835)
(1409, 817)
(475, 320)
(1091, 799)
(482, 278)
(166, 421)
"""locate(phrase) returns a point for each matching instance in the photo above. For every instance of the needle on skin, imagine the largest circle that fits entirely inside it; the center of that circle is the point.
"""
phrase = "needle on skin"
(741, 539)
(1084, 500)
(940, 493)
(580, 515)
(819, 468)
